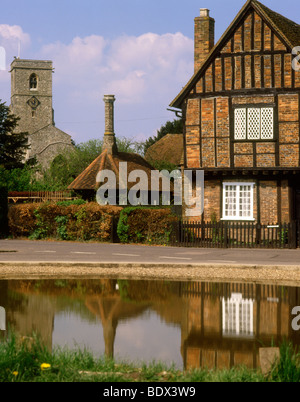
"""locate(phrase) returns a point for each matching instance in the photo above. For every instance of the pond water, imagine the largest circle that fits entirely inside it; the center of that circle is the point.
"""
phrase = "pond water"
(188, 324)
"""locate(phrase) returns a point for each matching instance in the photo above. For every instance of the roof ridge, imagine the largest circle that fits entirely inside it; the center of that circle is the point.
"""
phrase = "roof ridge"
(278, 22)
(274, 12)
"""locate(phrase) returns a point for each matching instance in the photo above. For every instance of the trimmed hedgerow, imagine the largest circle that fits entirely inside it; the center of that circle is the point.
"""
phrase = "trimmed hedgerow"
(88, 221)
(145, 225)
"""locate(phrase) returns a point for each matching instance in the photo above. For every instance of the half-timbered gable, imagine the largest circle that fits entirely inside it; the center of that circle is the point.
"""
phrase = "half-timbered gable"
(241, 111)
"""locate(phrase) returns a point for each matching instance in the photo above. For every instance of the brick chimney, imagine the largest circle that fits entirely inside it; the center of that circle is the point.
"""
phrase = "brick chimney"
(204, 36)
(109, 140)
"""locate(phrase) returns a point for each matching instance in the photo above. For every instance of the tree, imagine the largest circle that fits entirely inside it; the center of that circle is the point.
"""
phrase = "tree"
(66, 167)
(171, 127)
(12, 145)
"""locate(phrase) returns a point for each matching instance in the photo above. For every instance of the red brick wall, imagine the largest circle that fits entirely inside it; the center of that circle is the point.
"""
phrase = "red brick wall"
(271, 200)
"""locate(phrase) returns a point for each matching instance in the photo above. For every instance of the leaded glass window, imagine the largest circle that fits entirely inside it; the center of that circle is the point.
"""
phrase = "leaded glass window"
(254, 123)
(240, 129)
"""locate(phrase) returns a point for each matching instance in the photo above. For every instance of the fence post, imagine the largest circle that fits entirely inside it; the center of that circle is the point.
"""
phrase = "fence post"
(179, 232)
(225, 234)
(202, 231)
(176, 233)
(293, 235)
(258, 234)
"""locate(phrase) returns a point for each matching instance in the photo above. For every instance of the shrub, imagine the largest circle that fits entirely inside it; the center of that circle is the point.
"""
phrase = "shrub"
(88, 221)
(91, 221)
(21, 219)
(145, 225)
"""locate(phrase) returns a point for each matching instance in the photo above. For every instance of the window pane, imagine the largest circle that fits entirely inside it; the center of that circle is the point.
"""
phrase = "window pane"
(253, 124)
(240, 124)
(267, 123)
(230, 201)
(245, 201)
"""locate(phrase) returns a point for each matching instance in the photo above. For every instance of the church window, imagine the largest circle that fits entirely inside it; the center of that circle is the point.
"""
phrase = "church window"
(33, 81)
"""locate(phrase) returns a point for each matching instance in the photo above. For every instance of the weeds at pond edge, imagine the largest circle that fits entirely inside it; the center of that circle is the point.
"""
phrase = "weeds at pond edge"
(26, 359)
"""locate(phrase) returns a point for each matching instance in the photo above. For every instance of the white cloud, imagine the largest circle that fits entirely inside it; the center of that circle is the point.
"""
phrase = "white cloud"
(12, 38)
(79, 57)
(10, 33)
(144, 73)
(130, 67)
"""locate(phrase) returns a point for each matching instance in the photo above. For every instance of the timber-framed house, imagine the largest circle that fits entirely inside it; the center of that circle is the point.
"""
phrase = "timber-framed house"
(241, 113)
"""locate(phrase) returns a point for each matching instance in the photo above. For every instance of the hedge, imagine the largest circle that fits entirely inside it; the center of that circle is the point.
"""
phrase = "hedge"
(145, 225)
(3, 212)
(63, 221)
(90, 221)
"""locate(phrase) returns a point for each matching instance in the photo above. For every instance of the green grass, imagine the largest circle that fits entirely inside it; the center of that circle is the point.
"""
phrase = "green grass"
(21, 361)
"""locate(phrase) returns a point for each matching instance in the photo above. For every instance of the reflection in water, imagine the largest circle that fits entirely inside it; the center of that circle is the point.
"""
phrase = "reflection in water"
(237, 316)
(193, 324)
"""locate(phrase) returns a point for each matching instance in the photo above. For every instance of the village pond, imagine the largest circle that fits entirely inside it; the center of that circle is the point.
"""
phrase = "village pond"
(188, 324)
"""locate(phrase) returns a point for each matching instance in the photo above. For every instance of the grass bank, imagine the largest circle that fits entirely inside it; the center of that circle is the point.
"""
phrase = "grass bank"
(27, 360)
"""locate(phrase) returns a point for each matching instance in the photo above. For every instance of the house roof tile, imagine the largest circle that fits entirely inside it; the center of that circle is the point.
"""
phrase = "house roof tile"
(105, 161)
(167, 149)
(287, 30)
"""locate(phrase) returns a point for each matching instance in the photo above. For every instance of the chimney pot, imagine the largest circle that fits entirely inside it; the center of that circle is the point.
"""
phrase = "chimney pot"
(204, 12)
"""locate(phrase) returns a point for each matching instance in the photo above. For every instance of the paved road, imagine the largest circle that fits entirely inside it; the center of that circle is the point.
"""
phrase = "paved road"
(51, 251)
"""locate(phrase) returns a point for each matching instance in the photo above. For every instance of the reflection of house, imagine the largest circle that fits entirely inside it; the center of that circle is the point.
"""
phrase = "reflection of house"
(241, 114)
(221, 324)
(228, 323)
(237, 316)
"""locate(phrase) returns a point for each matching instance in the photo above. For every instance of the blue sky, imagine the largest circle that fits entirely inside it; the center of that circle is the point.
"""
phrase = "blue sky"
(139, 50)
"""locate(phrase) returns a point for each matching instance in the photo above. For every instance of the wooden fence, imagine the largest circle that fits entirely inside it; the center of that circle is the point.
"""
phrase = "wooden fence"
(39, 196)
(235, 235)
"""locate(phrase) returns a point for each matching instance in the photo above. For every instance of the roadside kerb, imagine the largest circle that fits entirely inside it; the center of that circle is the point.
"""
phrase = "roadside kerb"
(288, 275)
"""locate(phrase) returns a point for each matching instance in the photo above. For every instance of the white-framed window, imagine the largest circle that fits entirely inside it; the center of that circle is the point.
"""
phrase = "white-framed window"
(238, 201)
(254, 123)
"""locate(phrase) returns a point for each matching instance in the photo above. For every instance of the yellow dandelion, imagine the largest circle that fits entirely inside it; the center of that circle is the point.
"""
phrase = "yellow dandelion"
(15, 373)
(45, 366)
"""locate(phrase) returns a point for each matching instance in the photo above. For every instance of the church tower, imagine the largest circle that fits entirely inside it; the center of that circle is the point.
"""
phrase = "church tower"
(31, 101)
(31, 93)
